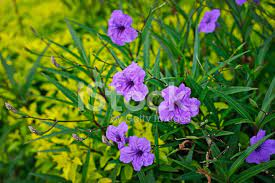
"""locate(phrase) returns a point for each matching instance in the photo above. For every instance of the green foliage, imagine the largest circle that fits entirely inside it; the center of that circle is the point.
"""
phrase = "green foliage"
(231, 71)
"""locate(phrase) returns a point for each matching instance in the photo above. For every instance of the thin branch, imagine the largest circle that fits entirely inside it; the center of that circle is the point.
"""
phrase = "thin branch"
(49, 119)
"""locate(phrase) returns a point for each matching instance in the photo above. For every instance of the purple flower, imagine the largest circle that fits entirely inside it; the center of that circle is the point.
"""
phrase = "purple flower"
(117, 134)
(208, 23)
(263, 152)
(178, 105)
(138, 152)
(120, 28)
(240, 2)
(129, 83)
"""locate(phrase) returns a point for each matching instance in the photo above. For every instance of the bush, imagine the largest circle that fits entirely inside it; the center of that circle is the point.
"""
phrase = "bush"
(195, 79)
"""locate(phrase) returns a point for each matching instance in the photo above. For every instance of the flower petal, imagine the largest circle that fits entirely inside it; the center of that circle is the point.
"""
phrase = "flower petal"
(258, 137)
(111, 133)
(126, 155)
(269, 146)
(137, 163)
(122, 128)
(144, 144)
(164, 113)
(148, 159)
(129, 34)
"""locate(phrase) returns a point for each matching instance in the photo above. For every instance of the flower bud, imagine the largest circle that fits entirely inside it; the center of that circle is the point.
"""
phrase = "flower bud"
(76, 137)
(54, 62)
(10, 107)
(106, 141)
(33, 130)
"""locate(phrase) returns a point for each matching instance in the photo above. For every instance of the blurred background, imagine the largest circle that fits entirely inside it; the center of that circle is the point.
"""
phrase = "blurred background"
(24, 27)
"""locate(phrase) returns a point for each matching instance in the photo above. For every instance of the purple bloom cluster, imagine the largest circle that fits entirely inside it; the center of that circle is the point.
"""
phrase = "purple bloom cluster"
(120, 28)
(209, 23)
(263, 152)
(241, 2)
(137, 152)
(129, 83)
(178, 105)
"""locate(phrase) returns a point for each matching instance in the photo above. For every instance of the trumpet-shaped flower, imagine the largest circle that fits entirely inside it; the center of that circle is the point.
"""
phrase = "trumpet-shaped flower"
(117, 134)
(138, 153)
(129, 83)
(178, 105)
(120, 28)
(209, 23)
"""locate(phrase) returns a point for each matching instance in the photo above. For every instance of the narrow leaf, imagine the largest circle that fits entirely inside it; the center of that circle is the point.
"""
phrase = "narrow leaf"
(233, 103)
(254, 170)
(196, 54)
(86, 167)
(32, 71)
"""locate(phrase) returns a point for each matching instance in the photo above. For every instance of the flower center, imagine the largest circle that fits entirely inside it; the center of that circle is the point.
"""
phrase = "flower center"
(258, 149)
(176, 106)
(130, 84)
(121, 28)
(118, 138)
(208, 20)
(139, 153)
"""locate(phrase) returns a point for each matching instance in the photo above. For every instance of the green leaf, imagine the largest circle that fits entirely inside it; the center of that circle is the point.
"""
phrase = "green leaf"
(53, 98)
(118, 61)
(32, 71)
(196, 54)
(172, 51)
(147, 25)
(254, 170)
(103, 37)
(65, 149)
(108, 115)
(141, 176)
(68, 93)
(127, 172)
(236, 89)
(237, 121)
(269, 96)
(223, 133)
(78, 44)
(156, 68)
(62, 132)
(85, 167)
(65, 49)
(233, 103)
(146, 50)
(115, 172)
(167, 168)
(267, 119)
(223, 64)
(186, 165)
(263, 51)
(236, 165)
(53, 178)
(156, 142)
(190, 154)
(169, 133)
(192, 176)
(65, 74)
(9, 72)
(207, 100)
